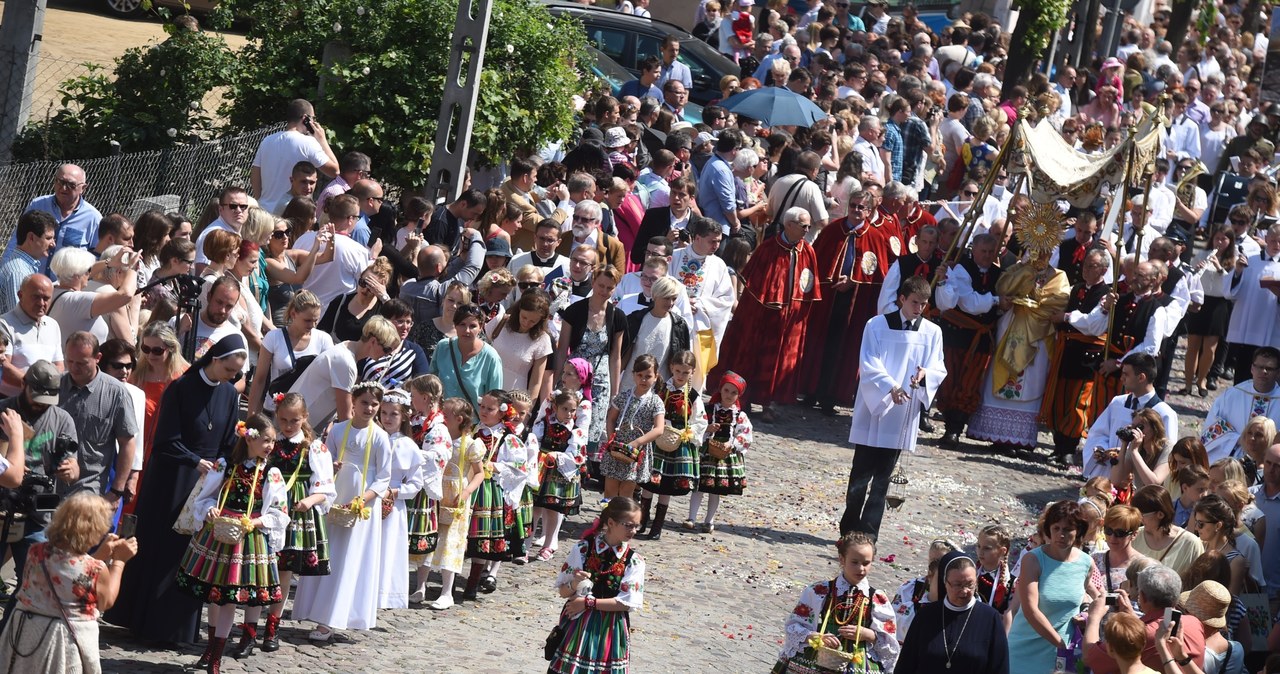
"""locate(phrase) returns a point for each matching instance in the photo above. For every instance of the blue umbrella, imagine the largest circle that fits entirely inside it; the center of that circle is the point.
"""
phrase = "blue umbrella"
(774, 106)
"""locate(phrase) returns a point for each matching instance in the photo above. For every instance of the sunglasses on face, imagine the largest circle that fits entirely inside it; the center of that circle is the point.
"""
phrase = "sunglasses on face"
(117, 366)
(528, 285)
(237, 207)
(153, 350)
(1117, 533)
(280, 234)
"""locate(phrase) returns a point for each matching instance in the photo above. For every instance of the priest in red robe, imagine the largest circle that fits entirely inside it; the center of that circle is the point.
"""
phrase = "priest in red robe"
(902, 202)
(854, 255)
(763, 341)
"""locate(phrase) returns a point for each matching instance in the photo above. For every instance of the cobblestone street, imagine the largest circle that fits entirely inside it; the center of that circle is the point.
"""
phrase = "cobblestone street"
(714, 602)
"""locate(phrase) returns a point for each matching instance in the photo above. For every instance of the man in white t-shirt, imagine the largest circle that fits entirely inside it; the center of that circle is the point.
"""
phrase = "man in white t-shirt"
(32, 334)
(303, 139)
(233, 210)
(326, 383)
(338, 277)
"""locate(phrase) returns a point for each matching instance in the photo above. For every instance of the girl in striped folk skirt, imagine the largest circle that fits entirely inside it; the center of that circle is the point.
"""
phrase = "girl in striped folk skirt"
(729, 427)
(561, 430)
(243, 573)
(307, 468)
(436, 447)
(491, 513)
(604, 576)
(522, 481)
(675, 473)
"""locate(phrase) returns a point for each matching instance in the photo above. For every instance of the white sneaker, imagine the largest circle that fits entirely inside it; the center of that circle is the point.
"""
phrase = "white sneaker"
(444, 602)
(418, 596)
(321, 634)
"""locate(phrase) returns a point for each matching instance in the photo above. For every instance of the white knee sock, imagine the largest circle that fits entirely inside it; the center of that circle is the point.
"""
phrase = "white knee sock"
(695, 504)
(252, 613)
(494, 567)
(665, 500)
(551, 527)
(713, 504)
(446, 583)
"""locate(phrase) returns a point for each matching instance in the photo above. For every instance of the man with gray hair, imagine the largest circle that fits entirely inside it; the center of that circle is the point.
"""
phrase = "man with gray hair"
(76, 220)
(763, 340)
(869, 144)
(586, 231)
(799, 190)
(1159, 588)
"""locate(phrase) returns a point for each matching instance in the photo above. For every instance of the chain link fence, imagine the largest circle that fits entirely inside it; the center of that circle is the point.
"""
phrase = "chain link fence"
(183, 178)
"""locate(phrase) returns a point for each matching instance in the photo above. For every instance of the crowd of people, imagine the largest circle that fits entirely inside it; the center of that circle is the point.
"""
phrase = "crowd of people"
(310, 387)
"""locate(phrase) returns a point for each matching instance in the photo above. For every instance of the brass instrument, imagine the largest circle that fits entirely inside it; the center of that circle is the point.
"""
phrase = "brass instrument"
(1186, 187)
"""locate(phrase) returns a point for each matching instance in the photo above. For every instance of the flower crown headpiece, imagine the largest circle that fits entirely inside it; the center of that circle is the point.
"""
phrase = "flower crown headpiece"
(247, 433)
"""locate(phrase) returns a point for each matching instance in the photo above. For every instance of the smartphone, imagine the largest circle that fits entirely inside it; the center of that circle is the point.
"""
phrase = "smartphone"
(128, 525)
(422, 222)
(1173, 618)
(306, 121)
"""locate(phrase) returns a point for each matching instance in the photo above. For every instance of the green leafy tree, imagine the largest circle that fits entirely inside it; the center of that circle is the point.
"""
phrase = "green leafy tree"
(153, 100)
(1038, 22)
(380, 66)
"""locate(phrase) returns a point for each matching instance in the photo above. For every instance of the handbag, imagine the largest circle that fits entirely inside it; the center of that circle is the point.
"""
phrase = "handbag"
(622, 451)
(186, 524)
(554, 639)
(297, 366)
(1257, 616)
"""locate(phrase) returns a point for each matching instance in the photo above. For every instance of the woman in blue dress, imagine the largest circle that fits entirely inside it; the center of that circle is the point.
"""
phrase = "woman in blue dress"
(1051, 585)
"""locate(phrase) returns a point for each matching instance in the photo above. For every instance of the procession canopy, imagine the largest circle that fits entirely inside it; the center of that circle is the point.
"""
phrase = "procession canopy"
(1056, 170)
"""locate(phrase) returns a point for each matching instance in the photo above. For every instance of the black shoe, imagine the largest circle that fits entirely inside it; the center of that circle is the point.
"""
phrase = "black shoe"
(828, 410)
(951, 439)
(488, 584)
(1212, 385)
(470, 595)
(271, 644)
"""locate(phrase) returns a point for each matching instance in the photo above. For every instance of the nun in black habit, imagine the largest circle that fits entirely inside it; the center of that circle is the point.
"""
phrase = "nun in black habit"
(196, 425)
(959, 633)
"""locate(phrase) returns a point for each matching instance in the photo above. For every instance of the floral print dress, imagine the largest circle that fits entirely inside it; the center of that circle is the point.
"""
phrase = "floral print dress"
(38, 637)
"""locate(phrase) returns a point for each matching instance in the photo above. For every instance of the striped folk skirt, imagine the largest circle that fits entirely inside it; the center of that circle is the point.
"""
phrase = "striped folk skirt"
(424, 527)
(726, 477)
(595, 642)
(490, 517)
(242, 573)
(961, 391)
(674, 473)
(559, 493)
(306, 541)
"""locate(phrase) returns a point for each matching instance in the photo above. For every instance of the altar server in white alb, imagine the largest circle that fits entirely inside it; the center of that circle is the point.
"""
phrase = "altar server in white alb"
(900, 370)
(1253, 312)
(1234, 407)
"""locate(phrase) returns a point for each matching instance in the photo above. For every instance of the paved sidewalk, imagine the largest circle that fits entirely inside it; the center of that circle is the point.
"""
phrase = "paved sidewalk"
(713, 602)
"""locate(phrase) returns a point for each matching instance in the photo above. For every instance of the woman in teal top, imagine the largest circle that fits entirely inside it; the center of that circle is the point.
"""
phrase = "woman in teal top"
(467, 367)
(1054, 581)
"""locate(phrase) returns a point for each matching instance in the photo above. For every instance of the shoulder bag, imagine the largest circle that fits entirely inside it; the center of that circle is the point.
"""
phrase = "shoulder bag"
(457, 373)
(285, 381)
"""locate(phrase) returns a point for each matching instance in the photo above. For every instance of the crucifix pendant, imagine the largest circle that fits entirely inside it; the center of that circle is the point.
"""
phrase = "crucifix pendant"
(948, 665)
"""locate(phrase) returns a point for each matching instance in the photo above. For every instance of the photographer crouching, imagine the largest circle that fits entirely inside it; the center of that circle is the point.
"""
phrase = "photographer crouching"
(49, 458)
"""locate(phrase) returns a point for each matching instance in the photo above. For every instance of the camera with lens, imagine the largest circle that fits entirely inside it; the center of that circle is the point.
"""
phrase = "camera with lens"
(36, 493)
(1126, 434)
(186, 288)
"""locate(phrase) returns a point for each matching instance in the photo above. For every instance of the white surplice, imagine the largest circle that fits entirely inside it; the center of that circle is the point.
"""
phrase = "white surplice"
(1231, 411)
(888, 360)
(347, 598)
(406, 476)
(1253, 311)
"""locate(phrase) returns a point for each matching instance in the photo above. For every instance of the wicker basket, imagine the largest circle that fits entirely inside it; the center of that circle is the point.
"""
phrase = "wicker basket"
(718, 448)
(229, 530)
(669, 441)
(619, 451)
(832, 659)
(340, 516)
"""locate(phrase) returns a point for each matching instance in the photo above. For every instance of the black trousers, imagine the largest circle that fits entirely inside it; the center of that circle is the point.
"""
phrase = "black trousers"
(1242, 360)
(868, 487)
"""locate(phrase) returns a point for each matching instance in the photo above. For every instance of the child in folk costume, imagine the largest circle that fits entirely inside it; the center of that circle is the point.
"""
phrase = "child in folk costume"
(561, 430)
(242, 491)
(518, 475)
(995, 582)
(675, 472)
(406, 483)
(307, 468)
(463, 475)
(347, 598)
(844, 614)
(728, 427)
(636, 418)
(432, 437)
(604, 576)
(488, 544)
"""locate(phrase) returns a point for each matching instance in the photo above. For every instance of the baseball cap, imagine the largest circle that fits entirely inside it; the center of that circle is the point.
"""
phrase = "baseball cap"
(43, 382)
